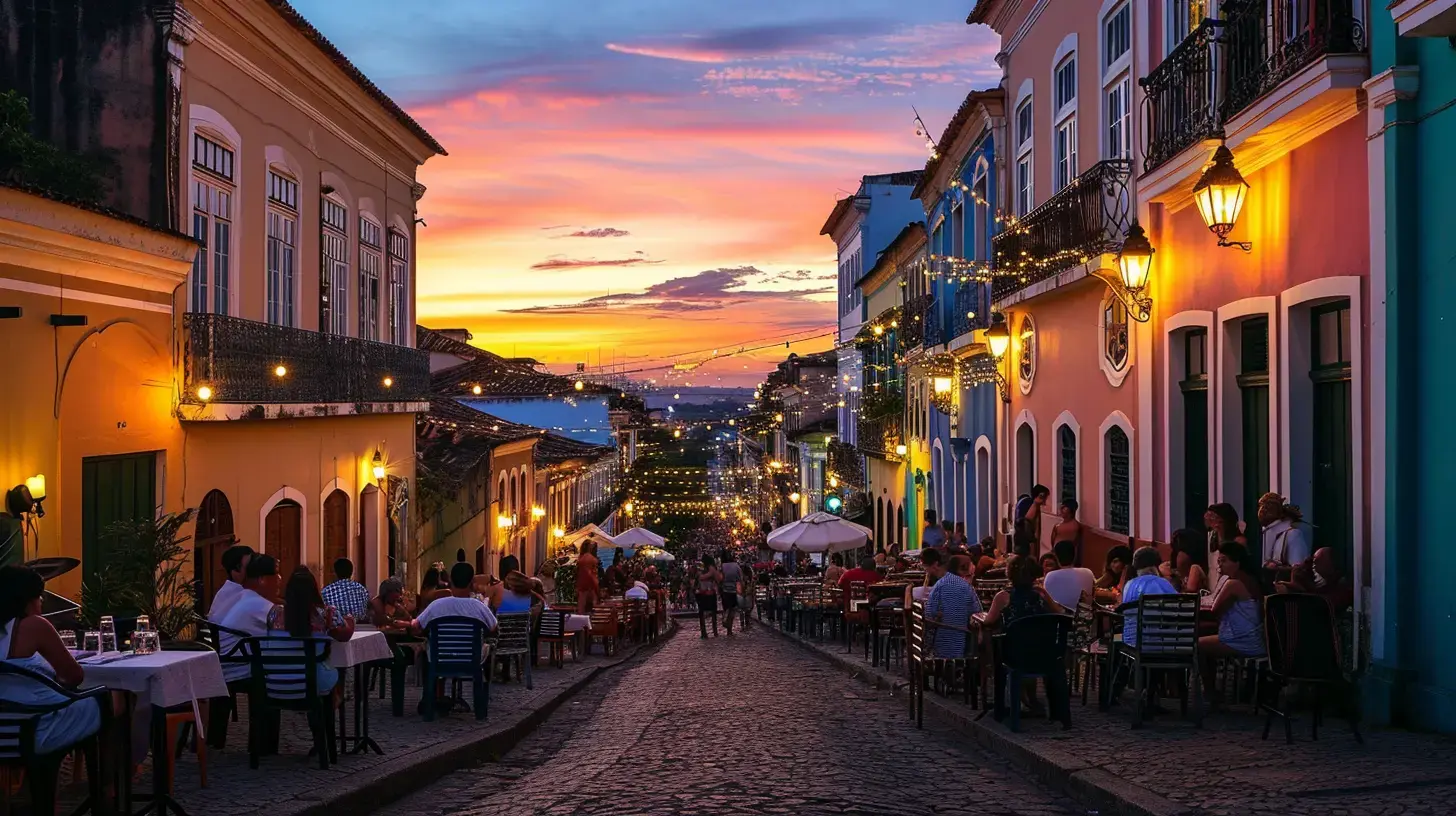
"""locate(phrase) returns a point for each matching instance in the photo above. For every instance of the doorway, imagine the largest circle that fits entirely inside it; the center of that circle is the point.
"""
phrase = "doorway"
(113, 488)
(212, 535)
(283, 535)
(336, 532)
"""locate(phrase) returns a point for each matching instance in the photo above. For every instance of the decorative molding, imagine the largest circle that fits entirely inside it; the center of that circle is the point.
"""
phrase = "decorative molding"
(1394, 84)
(1424, 18)
(84, 296)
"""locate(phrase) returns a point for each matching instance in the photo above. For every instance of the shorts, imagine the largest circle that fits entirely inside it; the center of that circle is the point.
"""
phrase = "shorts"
(708, 603)
(730, 601)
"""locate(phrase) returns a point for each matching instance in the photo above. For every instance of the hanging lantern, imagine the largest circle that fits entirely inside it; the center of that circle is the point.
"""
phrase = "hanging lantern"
(1135, 260)
(998, 337)
(1220, 195)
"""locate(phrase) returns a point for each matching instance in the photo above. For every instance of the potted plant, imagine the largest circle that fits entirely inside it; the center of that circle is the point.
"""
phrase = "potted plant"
(146, 573)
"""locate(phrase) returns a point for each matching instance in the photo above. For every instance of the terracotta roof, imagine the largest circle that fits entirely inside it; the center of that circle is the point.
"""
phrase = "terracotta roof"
(291, 15)
(452, 438)
(496, 375)
(952, 131)
(841, 208)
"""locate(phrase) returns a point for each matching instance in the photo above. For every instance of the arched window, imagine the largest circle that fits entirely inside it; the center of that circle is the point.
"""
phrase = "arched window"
(1027, 369)
(371, 247)
(399, 262)
(1119, 480)
(1066, 464)
(282, 247)
(1064, 119)
(1114, 333)
(334, 272)
(213, 186)
(1025, 459)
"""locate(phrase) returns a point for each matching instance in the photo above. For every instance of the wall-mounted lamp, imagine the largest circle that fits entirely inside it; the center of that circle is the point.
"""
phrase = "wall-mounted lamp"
(794, 497)
(1220, 195)
(998, 339)
(558, 532)
(25, 499)
(377, 466)
(901, 449)
(504, 522)
(537, 512)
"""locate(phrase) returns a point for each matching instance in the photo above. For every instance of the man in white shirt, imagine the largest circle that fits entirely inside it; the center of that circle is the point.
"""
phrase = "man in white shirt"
(235, 563)
(249, 612)
(1068, 584)
(1285, 538)
(637, 592)
(459, 604)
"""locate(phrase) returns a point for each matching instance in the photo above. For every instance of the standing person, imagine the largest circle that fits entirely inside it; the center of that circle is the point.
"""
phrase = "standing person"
(617, 572)
(1069, 529)
(1028, 524)
(1286, 537)
(235, 563)
(933, 536)
(587, 587)
(960, 535)
(345, 594)
(950, 546)
(1068, 584)
(709, 578)
(732, 578)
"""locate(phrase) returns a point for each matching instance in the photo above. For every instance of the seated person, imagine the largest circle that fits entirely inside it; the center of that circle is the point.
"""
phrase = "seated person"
(1068, 584)
(305, 615)
(865, 574)
(636, 592)
(1238, 605)
(235, 563)
(30, 642)
(951, 602)
(1146, 581)
(1190, 555)
(512, 594)
(387, 610)
(1114, 574)
(1024, 598)
(934, 565)
(345, 594)
(249, 614)
(1321, 576)
(458, 604)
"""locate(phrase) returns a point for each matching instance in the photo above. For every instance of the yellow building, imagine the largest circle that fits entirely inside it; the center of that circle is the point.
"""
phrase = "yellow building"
(86, 301)
(300, 380)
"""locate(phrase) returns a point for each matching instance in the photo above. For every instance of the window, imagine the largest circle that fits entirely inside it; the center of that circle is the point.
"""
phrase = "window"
(282, 248)
(1195, 359)
(1181, 18)
(212, 225)
(1066, 465)
(1119, 118)
(1065, 154)
(1025, 172)
(1332, 336)
(1066, 83)
(334, 274)
(371, 244)
(1119, 481)
(1028, 352)
(1114, 333)
(1023, 185)
(958, 231)
(979, 227)
(1117, 36)
(1023, 124)
(399, 325)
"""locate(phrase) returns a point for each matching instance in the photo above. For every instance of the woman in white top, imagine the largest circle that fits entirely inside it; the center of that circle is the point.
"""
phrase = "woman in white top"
(30, 642)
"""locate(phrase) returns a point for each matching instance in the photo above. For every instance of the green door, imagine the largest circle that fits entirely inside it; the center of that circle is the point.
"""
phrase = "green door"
(1195, 429)
(1333, 478)
(113, 488)
(1253, 382)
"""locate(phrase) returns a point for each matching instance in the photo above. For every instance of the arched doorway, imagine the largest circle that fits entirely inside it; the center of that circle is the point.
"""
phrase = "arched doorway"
(283, 535)
(212, 535)
(984, 510)
(900, 525)
(336, 532)
(1025, 459)
(366, 550)
(880, 524)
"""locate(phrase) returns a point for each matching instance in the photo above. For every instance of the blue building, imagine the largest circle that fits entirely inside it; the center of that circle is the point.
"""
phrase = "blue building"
(1411, 127)
(950, 406)
(862, 226)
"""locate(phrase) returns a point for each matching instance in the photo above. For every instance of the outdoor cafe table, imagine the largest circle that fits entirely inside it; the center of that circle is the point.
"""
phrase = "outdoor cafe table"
(365, 647)
(164, 680)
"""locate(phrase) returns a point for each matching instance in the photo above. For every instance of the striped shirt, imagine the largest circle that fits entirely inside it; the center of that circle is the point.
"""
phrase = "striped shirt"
(951, 601)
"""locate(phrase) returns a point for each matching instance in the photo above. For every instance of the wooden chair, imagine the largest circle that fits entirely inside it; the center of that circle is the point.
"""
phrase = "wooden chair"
(18, 725)
(513, 644)
(551, 630)
(456, 650)
(285, 678)
(1304, 648)
(1167, 638)
(604, 627)
(916, 650)
(857, 614)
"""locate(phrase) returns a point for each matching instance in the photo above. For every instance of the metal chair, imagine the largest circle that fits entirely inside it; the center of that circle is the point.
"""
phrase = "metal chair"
(551, 630)
(1167, 639)
(19, 723)
(1304, 648)
(1031, 647)
(857, 614)
(285, 678)
(513, 644)
(229, 645)
(456, 650)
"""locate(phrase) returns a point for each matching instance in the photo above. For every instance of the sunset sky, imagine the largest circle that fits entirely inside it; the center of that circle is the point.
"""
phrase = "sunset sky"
(646, 177)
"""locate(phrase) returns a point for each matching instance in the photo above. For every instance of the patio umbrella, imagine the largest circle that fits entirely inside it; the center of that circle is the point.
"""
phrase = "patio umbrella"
(591, 532)
(817, 533)
(638, 537)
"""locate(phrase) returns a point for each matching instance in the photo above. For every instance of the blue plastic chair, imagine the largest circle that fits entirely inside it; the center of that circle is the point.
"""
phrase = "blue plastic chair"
(456, 650)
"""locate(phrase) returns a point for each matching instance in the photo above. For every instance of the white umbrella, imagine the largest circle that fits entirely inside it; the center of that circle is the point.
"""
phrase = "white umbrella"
(638, 537)
(590, 532)
(817, 533)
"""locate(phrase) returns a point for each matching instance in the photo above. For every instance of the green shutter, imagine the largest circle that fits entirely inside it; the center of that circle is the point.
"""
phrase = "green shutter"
(113, 488)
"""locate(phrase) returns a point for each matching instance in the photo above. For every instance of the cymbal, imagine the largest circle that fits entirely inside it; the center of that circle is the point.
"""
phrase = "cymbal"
(53, 567)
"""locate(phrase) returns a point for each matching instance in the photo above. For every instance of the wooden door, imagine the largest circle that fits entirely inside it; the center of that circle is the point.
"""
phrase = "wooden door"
(283, 536)
(336, 531)
(1333, 478)
(1253, 381)
(212, 535)
(113, 488)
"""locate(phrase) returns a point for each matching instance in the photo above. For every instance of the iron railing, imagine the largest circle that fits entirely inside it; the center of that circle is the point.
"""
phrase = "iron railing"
(244, 361)
(1088, 217)
(912, 321)
(936, 328)
(846, 462)
(1226, 65)
(1182, 96)
(971, 298)
(879, 436)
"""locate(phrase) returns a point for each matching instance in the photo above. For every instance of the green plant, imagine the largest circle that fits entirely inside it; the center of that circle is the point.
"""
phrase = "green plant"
(146, 573)
(25, 159)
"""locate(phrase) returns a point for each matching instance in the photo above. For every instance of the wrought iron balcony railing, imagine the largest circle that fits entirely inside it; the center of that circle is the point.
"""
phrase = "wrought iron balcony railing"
(1088, 217)
(880, 436)
(971, 298)
(243, 361)
(846, 464)
(936, 329)
(1226, 65)
(912, 321)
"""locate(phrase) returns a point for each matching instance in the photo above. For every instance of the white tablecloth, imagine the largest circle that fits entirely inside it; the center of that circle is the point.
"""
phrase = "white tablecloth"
(363, 647)
(163, 679)
(577, 623)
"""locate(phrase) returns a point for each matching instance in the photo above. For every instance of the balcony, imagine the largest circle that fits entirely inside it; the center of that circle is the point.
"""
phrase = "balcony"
(971, 298)
(240, 361)
(1087, 218)
(1226, 66)
(878, 437)
(913, 316)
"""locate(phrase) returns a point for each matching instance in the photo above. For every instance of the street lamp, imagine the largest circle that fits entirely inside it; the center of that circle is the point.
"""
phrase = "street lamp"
(538, 512)
(504, 521)
(1220, 195)
(998, 339)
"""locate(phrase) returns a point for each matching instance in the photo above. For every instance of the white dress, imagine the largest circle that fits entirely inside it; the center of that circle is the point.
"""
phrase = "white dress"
(59, 729)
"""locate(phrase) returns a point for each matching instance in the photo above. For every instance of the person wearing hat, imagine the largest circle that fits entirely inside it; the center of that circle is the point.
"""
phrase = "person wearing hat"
(1286, 537)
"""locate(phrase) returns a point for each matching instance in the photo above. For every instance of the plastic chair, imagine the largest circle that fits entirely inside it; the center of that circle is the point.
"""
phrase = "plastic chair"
(551, 630)
(513, 644)
(1034, 647)
(1304, 648)
(285, 678)
(456, 650)
(1167, 638)
(18, 725)
(225, 710)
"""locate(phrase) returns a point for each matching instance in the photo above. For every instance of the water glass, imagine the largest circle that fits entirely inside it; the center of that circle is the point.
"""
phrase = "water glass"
(108, 634)
(91, 642)
(68, 638)
(145, 643)
(143, 624)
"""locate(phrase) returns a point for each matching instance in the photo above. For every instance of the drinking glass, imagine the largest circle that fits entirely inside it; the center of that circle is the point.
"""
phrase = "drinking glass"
(145, 643)
(68, 638)
(143, 624)
(108, 634)
(91, 642)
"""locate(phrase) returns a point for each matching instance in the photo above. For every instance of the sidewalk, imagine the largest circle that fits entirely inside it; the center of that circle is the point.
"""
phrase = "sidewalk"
(1169, 767)
(415, 752)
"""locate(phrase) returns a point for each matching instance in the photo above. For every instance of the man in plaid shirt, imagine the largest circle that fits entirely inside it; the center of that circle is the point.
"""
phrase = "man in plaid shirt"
(346, 595)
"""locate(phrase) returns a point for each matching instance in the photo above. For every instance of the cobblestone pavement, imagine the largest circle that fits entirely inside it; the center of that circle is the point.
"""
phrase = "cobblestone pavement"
(1225, 768)
(751, 725)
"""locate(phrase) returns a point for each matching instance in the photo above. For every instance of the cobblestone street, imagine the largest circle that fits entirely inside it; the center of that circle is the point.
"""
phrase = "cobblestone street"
(749, 725)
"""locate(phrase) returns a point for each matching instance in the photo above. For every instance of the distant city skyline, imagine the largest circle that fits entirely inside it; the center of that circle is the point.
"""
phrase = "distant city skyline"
(651, 178)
